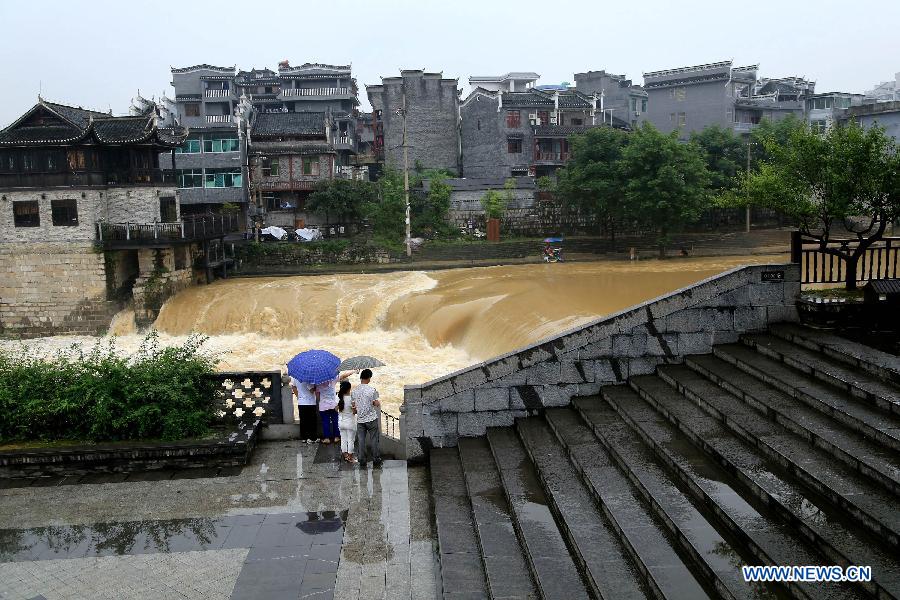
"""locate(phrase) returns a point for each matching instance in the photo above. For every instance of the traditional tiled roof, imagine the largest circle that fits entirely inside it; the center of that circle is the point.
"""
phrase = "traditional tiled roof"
(302, 149)
(72, 124)
(203, 67)
(540, 98)
(289, 123)
(559, 130)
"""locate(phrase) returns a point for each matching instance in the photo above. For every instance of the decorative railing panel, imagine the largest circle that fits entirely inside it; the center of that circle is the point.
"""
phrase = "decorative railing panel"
(189, 229)
(250, 395)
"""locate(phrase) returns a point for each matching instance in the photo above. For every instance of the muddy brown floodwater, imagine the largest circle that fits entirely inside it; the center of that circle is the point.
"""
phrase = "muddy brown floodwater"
(422, 325)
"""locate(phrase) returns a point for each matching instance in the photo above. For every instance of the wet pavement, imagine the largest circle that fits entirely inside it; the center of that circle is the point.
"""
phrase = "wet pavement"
(295, 523)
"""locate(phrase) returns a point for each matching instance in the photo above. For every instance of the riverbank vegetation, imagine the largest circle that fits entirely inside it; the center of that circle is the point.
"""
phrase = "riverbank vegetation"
(101, 394)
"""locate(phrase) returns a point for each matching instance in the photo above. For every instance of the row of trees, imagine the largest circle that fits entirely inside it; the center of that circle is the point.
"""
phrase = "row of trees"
(847, 176)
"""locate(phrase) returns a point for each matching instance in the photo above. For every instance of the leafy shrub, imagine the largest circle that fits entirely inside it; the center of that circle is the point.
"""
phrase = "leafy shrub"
(102, 395)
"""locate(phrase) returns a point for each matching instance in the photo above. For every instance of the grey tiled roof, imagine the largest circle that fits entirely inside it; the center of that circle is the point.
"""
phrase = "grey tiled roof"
(540, 98)
(287, 124)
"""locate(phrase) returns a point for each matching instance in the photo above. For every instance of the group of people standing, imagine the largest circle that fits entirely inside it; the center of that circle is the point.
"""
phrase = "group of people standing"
(338, 412)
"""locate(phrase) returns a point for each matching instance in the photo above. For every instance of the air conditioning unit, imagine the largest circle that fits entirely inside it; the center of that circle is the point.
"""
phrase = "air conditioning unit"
(637, 113)
(532, 116)
(553, 120)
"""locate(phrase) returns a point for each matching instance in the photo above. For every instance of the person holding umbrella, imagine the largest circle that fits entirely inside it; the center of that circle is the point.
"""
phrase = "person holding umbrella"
(328, 402)
(308, 370)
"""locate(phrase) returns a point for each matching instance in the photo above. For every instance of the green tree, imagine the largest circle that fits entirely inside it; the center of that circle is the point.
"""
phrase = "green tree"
(342, 198)
(494, 204)
(769, 134)
(666, 182)
(725, 155)
(429, 211)
(386, 210)
(593, 179)
(850, 177)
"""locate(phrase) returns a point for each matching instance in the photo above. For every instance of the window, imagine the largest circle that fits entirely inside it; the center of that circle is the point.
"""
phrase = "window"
(270, 167)
(678, 94)
(192, 109)
(65, 213)
(190, 178)
(52, 161)
(643, 105)
(682, 119)
(222, 178)
(9, 162)
(842, 102)
(220, 145)
(478, 125)
(577, 121)
(513, 119)
(543, 117)
(270, 201)
(310, 165)
(514, 146)
(77, 160)
(819, 125)
(820, 103)
(188, 147)
(672, 118)
(634, 104)
(168, 211)
(28, 161)
(26, 213)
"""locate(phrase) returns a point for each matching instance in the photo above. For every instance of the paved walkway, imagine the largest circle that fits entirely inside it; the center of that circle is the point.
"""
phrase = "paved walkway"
(295, 523)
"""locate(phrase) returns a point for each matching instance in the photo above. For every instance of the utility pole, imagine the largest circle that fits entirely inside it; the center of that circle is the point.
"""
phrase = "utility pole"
(749, 144)
(402, 111)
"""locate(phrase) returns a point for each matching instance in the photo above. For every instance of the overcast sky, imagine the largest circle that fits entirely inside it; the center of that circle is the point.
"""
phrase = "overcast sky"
(97, 54)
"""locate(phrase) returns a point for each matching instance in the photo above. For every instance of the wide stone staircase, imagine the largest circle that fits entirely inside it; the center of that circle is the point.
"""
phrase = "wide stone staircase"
(783, 449)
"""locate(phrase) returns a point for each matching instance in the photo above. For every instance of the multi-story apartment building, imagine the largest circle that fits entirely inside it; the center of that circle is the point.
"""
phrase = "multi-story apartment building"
(619, 97)
(432, 119)
(75, 180)
(291, 153)
(882, 114)
(211, 165)
(886, 91)
(519, 134)
(689, 99)
(824, 110)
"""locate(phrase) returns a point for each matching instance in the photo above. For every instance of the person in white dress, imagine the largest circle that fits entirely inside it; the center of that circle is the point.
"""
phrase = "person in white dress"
(346, 421)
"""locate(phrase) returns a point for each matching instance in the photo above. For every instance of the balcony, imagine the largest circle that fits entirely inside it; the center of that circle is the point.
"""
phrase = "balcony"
(333, 91)
(287, 186)
(87, 179)
(550, 157)
(218, 93)
(745, 127)
(219, 119)
(189, 229)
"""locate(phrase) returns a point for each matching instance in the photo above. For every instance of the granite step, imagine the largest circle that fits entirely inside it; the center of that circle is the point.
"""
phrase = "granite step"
(762, 539)
(878, 426)
(834, 533)
(652, 551)
(871, 459)
(590, 536)
(858, 356)
(504, 559)
(868, 503)
(462, 571)
(864, 386)
(554, 570)
(702, 547)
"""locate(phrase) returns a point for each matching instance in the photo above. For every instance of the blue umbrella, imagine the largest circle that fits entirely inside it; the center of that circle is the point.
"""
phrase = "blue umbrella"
(553, 240)
(314, 366)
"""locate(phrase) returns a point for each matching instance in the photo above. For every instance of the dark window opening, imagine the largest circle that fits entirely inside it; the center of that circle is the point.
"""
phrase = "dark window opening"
(577, 121)
(26, 213)
(168, 213)
(65, 213)
(270, 167)
(514, 146)
(543, 117)
(192, 109)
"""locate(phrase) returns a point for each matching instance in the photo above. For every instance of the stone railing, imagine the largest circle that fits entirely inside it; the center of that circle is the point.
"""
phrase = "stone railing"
(607, 351)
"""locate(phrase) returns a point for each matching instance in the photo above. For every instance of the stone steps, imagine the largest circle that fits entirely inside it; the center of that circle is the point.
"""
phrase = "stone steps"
(840, 539)
(813, 467)
(858, 356)
(590, 536)
(505, 565)
(881, 428)
(758, 536)
(696, 546)
(882, 394)
(462, 571)
(869, 458)
(554, 569)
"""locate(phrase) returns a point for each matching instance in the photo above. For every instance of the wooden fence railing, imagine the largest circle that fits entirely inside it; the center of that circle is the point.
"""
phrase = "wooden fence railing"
(819, 263)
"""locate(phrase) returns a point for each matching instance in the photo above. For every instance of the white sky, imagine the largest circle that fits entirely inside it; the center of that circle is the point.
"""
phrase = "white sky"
(97, 53)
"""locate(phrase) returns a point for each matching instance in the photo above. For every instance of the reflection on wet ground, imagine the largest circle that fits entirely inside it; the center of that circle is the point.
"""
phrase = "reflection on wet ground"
(296, 522)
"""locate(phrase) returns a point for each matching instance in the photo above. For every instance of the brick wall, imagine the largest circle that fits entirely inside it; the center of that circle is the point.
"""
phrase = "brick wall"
(53, 287)
(608, 351)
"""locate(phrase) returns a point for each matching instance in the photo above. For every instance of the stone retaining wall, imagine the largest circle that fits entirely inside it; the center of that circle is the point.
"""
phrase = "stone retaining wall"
(608, 351)
(53, 287)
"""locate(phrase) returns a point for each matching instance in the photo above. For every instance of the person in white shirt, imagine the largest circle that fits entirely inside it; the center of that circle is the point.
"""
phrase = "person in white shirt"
(346, 421)
(368, 419)
(306, 407)
(328, 402)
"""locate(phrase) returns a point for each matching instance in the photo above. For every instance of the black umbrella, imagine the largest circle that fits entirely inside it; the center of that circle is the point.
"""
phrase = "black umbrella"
(360, 362)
